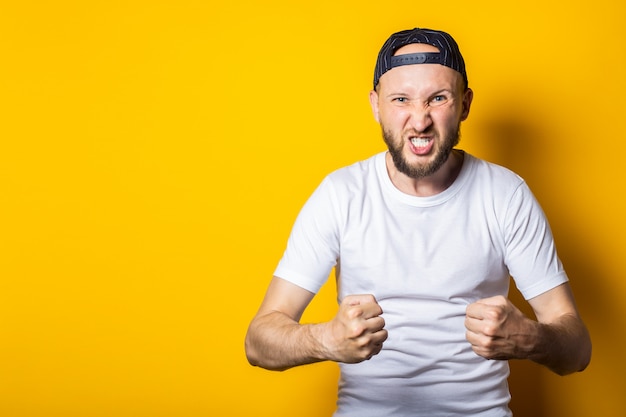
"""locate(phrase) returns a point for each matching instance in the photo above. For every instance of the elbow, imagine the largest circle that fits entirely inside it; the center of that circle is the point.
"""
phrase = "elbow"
(256, 358)
(251, 354)
(583, 357)
(586, 356)
(585, 351)
(569, 371)
(567, 349)
(251, 358)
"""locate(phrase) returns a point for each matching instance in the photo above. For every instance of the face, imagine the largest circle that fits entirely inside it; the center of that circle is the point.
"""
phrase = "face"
(420, 108)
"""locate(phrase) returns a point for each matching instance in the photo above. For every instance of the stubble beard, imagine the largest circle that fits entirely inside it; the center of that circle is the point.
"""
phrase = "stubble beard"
(396, 147)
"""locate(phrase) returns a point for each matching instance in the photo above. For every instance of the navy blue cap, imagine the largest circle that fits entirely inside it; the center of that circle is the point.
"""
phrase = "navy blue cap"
(449, 54)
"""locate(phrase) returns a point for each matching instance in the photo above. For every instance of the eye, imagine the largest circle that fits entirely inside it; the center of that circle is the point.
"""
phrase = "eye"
(438, 100)
(400, 99)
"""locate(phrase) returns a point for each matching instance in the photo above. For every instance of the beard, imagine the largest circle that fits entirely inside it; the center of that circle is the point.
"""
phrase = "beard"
(415, 171)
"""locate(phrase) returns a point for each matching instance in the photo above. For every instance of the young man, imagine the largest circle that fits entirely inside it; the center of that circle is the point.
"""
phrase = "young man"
(424, 238)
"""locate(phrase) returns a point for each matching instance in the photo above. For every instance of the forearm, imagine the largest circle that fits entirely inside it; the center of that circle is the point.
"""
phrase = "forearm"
(276, 342)
(563, 346)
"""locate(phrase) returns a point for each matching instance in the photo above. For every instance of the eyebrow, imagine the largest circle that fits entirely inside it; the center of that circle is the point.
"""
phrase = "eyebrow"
(436, 92)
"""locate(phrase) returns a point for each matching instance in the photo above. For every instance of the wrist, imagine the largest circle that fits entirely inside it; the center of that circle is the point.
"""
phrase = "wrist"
(318, 335)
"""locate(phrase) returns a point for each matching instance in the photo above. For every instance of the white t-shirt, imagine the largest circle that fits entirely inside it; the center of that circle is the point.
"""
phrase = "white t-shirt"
(424, 259)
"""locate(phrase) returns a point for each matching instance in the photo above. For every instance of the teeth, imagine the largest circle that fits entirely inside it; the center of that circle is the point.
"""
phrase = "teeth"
(418, 142)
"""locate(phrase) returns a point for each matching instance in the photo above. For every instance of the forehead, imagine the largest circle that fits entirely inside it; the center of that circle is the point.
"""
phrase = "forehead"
(415, 48)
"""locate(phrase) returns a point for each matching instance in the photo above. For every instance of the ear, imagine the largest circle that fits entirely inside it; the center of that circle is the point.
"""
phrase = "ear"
(468, 96)
(374, 104)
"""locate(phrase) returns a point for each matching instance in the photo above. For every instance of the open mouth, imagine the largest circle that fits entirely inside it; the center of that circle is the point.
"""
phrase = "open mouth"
(421, 146)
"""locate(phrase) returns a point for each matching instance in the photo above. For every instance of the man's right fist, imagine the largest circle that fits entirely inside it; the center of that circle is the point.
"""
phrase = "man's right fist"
(357, 332)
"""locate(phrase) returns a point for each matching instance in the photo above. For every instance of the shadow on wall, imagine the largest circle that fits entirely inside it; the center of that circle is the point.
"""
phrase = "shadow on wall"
(512, 144)
(520, 146)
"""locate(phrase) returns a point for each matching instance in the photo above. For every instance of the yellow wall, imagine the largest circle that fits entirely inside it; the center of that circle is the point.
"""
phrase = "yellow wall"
(153, 155)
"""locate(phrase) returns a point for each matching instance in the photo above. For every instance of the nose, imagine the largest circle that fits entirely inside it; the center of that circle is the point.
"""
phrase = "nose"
(419, 118)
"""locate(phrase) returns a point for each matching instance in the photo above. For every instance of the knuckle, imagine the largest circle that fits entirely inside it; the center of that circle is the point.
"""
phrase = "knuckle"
(489, 331)
(354, 312)
(495, 313)
(356, 330)
(488, 344)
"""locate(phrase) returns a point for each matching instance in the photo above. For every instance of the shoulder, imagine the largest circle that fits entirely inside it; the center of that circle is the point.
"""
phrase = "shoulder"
(343, 186)
(492, 171)
(358, 169)
(493, 176)
(357, 176)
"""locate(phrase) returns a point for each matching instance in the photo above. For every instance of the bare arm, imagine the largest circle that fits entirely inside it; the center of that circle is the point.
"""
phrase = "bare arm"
(558, 339)
(276, 340)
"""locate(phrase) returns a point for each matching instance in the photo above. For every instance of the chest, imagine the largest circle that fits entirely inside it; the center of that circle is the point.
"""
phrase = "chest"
(452, 250)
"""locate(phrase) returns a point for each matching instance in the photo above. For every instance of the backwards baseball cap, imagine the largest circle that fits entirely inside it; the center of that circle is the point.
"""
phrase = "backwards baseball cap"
(448, 55)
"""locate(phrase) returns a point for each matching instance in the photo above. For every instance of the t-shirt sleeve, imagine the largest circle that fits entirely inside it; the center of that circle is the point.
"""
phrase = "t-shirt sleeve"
(313, 246)
(531, 254)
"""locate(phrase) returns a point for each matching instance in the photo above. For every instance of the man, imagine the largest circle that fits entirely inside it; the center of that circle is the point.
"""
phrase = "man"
(424, 238)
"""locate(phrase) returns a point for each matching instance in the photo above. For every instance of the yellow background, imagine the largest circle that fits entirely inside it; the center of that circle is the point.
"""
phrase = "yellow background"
(154, 154)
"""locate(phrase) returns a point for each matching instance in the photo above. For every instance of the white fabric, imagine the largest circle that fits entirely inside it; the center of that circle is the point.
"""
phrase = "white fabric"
(424, 259)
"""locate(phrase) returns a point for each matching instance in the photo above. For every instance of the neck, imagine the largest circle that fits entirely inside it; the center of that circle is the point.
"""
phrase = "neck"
(427, 186)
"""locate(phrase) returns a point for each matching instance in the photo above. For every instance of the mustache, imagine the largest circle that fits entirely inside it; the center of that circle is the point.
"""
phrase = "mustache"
(414, 132)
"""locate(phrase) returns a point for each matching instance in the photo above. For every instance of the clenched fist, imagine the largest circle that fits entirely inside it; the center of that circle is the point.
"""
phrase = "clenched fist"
(357, 332)
(497, 329)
